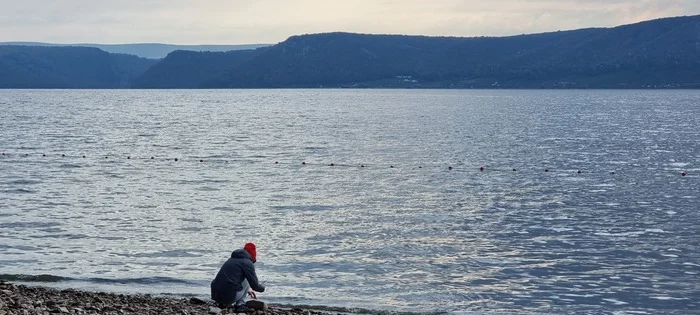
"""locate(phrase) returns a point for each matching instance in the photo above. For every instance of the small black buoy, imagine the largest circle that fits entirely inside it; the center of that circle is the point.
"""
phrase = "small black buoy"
(449, 168)
(106, 157)
(152, 158)
(332, 164)
(26, 154)
(515, 170)
(43, 155)
(128, 157)
(201, 161)
(546, 170)
(175, 159)
(362, 165)
(391, 166)
(684, 174)
(63, 155)
(612, 173)
(277, 162)
(303, 163)
(579, 172)
(481, 169)
(83, 156)
(420, 167)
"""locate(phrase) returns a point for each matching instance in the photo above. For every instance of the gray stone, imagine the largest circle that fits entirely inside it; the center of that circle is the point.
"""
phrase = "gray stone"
(107, 309)
(214, 310)
(257, 305)
(63, 310)
(197, 301)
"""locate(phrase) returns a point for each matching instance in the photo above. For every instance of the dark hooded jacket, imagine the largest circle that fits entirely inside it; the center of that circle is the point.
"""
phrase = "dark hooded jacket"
(231, 275)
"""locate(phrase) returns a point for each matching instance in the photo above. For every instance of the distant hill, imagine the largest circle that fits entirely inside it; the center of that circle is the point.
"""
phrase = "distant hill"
(659, 53)
(663, 53)
(67, 67)
(146, 50)
(189, 69)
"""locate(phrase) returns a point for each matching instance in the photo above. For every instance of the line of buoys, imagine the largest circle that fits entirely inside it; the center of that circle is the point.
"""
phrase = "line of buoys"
(449, 168)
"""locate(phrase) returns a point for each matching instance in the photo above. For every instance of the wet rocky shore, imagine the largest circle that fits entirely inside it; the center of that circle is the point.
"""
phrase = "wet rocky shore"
(18, 299)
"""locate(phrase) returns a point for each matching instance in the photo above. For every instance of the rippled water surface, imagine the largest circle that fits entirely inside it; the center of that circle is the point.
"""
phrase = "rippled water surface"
(92, 196)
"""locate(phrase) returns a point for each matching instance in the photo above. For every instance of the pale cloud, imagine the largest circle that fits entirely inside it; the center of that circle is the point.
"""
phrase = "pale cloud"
(270, 21)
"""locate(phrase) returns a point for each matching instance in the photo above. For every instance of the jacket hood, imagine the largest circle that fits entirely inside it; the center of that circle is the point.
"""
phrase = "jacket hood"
(241, 254)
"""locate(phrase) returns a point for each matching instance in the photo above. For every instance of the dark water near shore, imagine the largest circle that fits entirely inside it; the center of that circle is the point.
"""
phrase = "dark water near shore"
(402, 233)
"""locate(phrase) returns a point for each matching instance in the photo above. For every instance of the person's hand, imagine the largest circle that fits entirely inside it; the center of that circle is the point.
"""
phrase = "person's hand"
(251, 293)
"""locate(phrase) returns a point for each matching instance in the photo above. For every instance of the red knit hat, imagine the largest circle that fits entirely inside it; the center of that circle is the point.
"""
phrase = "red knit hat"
(250, 248)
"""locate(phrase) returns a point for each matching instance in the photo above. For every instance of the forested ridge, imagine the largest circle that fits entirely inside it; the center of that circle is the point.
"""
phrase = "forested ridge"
(663, 53)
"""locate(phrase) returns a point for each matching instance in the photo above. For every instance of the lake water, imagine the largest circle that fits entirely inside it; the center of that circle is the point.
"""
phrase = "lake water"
(91, 196)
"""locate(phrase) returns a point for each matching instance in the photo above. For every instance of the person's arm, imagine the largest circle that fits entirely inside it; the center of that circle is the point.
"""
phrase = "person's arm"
(252, 277)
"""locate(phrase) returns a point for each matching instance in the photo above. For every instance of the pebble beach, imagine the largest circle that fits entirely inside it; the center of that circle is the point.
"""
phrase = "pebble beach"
(16, 299)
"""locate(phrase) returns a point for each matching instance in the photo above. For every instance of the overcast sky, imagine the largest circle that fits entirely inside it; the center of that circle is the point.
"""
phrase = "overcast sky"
(272, 21)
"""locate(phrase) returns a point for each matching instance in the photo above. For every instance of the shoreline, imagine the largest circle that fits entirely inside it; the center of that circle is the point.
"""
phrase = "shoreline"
(20, 299)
